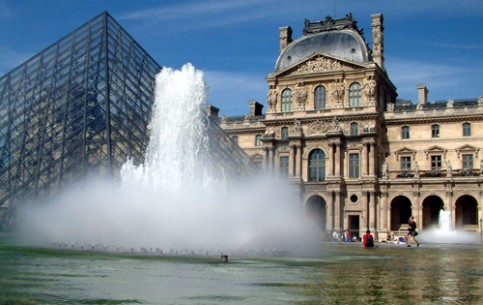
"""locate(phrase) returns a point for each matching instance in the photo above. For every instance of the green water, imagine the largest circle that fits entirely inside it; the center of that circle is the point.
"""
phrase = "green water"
(344, 274)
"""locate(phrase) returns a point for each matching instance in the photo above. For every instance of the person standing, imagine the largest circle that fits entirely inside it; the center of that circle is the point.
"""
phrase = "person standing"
(412, 233)
(368, 240)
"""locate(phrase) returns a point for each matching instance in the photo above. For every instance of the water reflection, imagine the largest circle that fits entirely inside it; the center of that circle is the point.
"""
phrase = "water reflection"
(343, 275)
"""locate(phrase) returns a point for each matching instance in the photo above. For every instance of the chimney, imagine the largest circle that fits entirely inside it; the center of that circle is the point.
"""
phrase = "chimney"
(285, 37)
(255, 108)
(378, 39)
(212, 111)
(422, 94)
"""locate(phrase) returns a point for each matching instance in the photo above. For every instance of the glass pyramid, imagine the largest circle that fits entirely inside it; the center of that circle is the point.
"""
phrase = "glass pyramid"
(79, 107)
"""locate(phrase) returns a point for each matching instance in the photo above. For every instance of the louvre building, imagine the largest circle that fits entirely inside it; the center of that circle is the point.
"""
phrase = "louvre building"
(333, 126)
(79, 107)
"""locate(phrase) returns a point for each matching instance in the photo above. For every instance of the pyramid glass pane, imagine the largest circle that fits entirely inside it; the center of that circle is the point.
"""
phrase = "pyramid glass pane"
(79, 107)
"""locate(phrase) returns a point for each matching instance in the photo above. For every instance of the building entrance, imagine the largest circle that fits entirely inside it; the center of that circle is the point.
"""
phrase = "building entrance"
(354, 225)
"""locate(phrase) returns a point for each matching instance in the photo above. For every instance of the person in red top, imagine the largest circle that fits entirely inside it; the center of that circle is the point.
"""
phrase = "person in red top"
(367, 240)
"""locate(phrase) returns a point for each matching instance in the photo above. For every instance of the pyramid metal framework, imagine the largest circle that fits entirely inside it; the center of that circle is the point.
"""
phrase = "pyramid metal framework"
(80, 106)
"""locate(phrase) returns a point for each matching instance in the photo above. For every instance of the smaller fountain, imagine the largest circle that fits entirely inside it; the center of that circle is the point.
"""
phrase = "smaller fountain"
(444, 234)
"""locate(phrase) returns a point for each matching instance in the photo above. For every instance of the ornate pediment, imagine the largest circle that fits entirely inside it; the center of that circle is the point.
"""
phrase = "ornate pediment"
(435, 150)
(319, 64)
(467, 149)
(404, 151)
(319, 127)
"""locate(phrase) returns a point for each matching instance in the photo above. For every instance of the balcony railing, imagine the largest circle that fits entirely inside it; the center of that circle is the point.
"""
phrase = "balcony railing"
(436, 173)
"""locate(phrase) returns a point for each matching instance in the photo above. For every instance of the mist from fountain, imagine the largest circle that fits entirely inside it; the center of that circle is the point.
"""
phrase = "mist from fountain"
(195, 193)
(443, 233)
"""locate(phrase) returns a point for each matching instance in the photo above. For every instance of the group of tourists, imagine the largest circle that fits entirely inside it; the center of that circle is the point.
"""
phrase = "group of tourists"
(368, 239)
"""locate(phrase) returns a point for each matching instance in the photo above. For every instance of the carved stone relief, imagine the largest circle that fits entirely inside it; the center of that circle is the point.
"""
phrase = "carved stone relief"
(319, 64)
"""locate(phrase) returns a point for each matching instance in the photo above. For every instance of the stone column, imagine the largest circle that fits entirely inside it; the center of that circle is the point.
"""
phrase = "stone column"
(372, 211)
(337, 161)
(416, 209)
(372, 159)
(336, 203)
(292, 161)
(364, 160)
(329, 215)
(298, 162)
(331, 159)
(449, 196)
(384, 212)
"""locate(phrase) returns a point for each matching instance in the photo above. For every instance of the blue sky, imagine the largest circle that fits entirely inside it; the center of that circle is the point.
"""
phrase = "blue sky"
(235, 42)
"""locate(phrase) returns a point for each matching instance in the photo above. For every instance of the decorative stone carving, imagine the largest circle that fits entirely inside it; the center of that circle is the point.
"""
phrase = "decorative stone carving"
(319, 64)
(335, 125)
(338, 93)
(272, 100)
(390, 107)
(370, 88)
(384, 170)
(297, 126)
(301, 98)
(449, 169)
(450, 103)
(285, 148)
(318, 127)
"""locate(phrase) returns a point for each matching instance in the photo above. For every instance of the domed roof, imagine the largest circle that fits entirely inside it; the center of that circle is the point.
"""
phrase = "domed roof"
(346, 43)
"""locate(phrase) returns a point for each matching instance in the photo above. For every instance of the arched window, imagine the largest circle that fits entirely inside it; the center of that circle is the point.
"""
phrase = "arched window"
(320, 96)
(354, 129)
(317, 165)
(355, 95)
(286, 100)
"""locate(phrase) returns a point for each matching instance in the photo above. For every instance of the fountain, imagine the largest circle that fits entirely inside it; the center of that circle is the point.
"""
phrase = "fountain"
(445, 234)
(196, 193)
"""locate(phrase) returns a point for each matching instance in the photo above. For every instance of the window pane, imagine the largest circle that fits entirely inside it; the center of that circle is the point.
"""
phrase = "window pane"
(284, 133)
(355, 95)
(258, 140)
(320, 97)
(435, 131)
(354, 129)
(468, 161)
(405, 132)
(317, 165)
(287, 100)
(405, 163)
(284, 166)
(435, 162)
(467, 129)
(354, 166)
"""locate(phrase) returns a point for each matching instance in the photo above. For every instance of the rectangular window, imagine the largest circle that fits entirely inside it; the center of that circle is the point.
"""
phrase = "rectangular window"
(283, 169)
(468, 161)
(284, 133)
(435, 163)
(405, 132)
(353, 165)
(258, 140)
(405, 163)
(435, 131)
(466, 129)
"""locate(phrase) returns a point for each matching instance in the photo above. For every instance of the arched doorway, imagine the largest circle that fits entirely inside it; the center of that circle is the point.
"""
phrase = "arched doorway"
(431, 207)
(466, 213)
(400, 212)
(317, 209)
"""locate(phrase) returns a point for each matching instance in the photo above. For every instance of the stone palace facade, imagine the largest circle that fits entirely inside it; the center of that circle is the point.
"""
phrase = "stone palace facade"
(362, 158)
